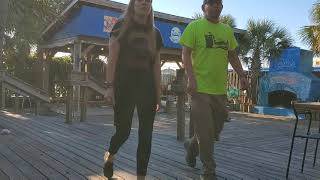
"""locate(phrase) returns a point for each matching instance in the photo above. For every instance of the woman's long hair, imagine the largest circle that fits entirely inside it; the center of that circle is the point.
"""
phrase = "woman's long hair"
(128, 22)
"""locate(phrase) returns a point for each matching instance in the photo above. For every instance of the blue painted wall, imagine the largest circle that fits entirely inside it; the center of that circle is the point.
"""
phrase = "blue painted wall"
(292, 72)
(288, 61)
(294, 82)
(306, 62)
(89, 21)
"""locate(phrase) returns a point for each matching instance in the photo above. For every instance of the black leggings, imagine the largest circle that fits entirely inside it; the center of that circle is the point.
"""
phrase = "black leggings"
(135, 90)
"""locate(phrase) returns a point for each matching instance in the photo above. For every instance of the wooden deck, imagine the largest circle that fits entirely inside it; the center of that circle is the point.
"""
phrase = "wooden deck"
(46, 148)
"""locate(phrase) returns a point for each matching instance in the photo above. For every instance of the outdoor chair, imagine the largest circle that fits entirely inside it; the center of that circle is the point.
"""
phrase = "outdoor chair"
(308, 115)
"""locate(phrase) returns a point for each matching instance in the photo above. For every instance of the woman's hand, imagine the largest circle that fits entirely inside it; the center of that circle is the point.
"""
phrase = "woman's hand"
(158, 108)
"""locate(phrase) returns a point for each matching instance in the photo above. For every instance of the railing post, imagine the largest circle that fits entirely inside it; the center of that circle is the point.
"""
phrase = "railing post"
(69, 104)
(83, 100)
(37, 108)
(179, 88)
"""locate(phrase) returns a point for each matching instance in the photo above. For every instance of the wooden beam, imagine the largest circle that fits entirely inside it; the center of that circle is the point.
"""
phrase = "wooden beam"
(59, 43)
(163, 62)
(179, 65)
(87, 50)
(176, 52)
(94, 40)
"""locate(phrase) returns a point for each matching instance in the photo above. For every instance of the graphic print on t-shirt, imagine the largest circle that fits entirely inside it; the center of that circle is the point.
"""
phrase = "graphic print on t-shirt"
(141, 53)
(212, 42)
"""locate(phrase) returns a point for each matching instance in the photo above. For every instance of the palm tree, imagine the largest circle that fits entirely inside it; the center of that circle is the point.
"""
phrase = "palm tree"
(264, 40)
(228, 19)
(197, 15)
(311, 34)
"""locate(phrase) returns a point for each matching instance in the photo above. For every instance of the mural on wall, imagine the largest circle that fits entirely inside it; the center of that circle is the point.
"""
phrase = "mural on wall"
(109, 22)
(175, 35)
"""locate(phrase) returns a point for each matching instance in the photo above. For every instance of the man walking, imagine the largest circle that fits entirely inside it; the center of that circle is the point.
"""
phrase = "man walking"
(208, 45)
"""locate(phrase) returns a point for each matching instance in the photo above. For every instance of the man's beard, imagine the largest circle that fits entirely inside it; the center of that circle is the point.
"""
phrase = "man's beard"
(213, 16)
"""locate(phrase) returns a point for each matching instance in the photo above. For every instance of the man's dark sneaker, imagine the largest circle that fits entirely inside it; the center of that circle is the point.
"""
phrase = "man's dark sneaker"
(108, 167)
(192, 152)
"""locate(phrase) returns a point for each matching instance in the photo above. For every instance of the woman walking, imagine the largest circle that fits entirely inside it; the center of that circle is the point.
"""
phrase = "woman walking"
(134, 80)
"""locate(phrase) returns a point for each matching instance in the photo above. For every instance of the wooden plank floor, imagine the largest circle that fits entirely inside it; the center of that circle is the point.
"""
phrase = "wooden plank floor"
(41, 147)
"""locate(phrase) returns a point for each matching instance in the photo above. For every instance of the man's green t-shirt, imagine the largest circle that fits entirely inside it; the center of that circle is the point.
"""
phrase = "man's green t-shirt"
(210, 44)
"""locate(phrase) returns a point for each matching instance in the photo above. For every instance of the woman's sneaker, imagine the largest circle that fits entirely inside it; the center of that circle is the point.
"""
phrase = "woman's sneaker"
(108, 167)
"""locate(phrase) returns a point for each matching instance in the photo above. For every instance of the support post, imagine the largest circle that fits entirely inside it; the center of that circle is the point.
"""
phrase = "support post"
(181, 104)
(37, 108)
(69, 104)
(76, 55)
(83, 101)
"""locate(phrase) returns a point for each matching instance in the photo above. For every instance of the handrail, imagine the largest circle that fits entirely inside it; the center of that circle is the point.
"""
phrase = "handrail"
(25, 83)
(96, 81)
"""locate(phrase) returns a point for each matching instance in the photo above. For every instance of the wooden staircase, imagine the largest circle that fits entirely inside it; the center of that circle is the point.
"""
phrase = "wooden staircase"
(20, 87)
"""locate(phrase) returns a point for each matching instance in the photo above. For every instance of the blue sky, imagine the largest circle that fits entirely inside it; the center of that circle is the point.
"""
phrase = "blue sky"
(291, 14)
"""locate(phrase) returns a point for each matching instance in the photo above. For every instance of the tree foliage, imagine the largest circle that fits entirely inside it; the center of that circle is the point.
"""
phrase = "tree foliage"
(226, 19)
(310, 35)
(23, 30)
(263, 40)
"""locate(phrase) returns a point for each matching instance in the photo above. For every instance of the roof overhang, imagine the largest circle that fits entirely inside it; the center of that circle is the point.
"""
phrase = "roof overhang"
(114, 6)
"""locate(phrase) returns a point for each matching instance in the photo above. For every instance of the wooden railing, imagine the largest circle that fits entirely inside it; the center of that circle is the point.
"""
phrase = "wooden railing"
(19, 86)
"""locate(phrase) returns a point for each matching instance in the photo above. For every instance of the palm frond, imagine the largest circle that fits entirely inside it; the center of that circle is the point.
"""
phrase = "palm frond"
(315, 13)
(228, 19)
(265, 40)
(197, 15)
(311, 36)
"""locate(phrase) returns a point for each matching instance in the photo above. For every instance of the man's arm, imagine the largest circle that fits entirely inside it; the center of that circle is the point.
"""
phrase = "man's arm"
(236, 64)
(186, 58)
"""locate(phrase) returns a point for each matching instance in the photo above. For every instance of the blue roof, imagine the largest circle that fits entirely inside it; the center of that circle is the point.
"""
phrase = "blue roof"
(95, 18)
